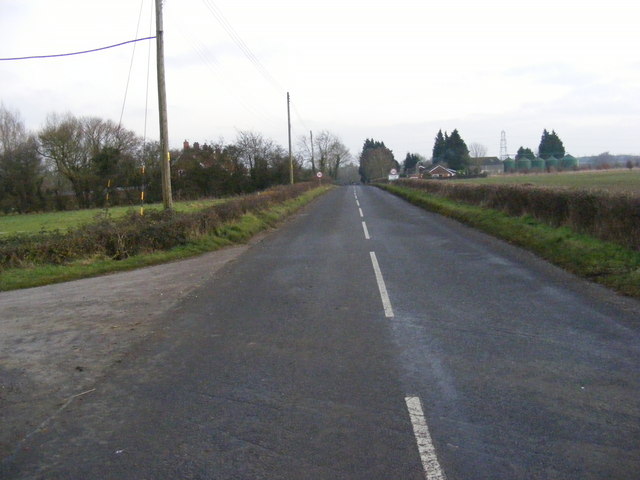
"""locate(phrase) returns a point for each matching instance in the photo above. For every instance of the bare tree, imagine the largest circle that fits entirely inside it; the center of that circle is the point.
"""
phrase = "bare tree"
(61, 143)
(477, 150)
(84, 150)
(12, 131)
(254, 148)
(21, 169)
(305, 151)
(323, 144)
(99, 134)
(332, 153)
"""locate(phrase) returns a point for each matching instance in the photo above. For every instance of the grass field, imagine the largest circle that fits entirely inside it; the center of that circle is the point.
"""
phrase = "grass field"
(63, 221)
(611, 180)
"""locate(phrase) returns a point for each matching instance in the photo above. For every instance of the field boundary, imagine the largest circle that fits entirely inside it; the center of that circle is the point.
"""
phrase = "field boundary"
(613, 217)
(196, 233)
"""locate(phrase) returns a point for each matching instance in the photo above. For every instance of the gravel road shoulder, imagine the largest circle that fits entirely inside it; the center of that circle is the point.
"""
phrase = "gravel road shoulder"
(57, 341)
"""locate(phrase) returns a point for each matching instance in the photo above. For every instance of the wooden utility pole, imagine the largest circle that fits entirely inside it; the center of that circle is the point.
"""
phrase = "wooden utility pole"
(289, 124)
(167, 199)
(313, 162)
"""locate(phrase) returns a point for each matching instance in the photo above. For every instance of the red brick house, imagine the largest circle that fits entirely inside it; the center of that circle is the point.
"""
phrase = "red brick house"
(440, 171)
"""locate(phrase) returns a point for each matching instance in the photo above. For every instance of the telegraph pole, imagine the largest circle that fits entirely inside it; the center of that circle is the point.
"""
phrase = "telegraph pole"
(313, 162)
(289, 124)
(167, 200)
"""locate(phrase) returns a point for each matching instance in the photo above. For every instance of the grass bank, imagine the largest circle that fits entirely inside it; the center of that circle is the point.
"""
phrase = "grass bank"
(612, 217)
(604, 262)
(227, 233)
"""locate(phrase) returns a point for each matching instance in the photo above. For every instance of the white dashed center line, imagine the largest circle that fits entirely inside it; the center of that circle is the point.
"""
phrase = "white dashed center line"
(430, 463)
(432, 469)
(366, 231)
(386, 303)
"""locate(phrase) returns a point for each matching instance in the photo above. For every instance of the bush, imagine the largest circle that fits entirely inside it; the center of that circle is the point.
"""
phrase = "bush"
(613, 217)
(134, 234)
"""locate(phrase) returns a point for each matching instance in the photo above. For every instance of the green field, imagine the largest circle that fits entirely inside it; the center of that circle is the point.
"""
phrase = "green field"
(611, 180)
(36, 222)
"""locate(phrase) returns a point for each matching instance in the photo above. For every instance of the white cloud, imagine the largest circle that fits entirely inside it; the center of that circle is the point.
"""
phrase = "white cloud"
(395, 70)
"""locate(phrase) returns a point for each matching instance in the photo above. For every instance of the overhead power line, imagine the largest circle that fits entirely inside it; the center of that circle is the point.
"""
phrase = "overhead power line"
(248, 53)
(77, 53)
(210, 61)
(244, 48)
(133, 54)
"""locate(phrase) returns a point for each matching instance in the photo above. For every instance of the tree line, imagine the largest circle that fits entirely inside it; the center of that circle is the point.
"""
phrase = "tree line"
(87, 162)
(550, 146)
(450, 150)
(376, 160)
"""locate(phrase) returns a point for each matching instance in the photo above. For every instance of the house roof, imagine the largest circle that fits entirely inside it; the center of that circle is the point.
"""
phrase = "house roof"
(440, 167)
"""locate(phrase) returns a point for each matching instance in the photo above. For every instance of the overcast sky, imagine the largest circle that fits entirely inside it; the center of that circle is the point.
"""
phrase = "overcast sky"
(395, 71)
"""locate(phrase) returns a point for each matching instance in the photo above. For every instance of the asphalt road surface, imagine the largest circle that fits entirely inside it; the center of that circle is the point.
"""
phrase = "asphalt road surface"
(366, 339)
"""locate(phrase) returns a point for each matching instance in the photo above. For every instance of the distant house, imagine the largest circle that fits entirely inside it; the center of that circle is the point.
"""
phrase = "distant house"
(489, 165)
(441, 172)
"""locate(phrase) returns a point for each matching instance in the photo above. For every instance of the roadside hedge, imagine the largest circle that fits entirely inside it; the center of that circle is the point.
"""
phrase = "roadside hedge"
(135, 234)
(613, 217)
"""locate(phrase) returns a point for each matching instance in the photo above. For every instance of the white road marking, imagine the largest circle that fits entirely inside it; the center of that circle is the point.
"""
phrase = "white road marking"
(366, 231)
(386, 303)
(432, 469)
(46, 422)
(361, 214)
(357, 202)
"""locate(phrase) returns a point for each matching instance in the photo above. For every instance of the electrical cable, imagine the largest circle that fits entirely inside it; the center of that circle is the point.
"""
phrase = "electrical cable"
(146, 98)
(76, 53)
(133, 55)
(212, 63)
(244, 48)
(217, 13)
(295, 110)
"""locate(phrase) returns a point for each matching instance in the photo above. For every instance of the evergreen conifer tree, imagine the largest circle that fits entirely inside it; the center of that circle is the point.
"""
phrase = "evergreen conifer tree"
(410, 162)
(525, 153)
(439, 148)
(550, 145)
(376, 160)
(456, 153)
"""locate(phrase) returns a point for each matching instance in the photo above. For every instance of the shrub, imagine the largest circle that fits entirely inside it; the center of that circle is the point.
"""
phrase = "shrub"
(134, 234)
(609, 216)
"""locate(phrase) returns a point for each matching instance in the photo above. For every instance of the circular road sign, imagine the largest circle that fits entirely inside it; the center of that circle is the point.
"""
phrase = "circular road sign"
(319, 174)
(393, 172)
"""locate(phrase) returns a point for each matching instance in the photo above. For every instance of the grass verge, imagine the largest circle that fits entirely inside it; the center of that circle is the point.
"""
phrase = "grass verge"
(603, 262)
(227, 234)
